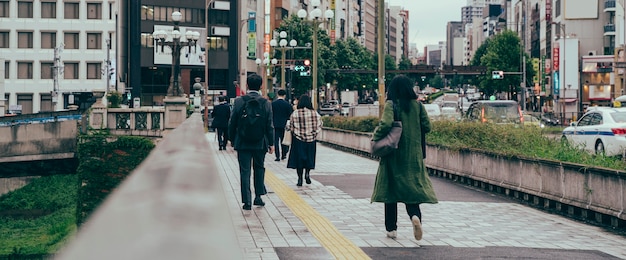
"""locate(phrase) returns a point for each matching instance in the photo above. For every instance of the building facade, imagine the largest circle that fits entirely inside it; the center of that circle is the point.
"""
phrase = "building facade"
(56, 53)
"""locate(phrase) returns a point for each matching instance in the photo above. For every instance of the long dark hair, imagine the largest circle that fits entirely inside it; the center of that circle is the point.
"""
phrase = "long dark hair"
(305, 101)
(400, 91)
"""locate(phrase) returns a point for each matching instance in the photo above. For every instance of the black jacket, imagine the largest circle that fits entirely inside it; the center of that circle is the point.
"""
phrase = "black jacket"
(281, 111)
(220, 114)
(264, 143)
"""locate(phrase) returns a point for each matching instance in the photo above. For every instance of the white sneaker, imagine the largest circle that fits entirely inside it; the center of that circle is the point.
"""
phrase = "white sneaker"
(392, 234)
(417, 228)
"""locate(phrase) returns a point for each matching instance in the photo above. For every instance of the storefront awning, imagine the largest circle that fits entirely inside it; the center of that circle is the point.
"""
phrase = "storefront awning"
(569, 100)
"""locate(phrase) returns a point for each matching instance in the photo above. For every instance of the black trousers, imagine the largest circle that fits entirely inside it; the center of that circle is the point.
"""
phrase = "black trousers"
(222, 136)
(279, 134)
(254, 159)
(391, 214)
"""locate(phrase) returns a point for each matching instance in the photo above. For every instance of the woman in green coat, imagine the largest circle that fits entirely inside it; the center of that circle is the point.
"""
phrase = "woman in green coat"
(401, 175)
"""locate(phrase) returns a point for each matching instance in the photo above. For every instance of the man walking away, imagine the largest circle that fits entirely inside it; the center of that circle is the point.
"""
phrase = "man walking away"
(252, 132)
(221, 114)
(281, 111)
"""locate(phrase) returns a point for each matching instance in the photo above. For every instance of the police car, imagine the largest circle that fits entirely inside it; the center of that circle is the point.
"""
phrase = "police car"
(602, 130)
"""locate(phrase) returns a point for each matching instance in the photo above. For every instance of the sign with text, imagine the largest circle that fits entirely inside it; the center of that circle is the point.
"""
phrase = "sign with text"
(555, 58)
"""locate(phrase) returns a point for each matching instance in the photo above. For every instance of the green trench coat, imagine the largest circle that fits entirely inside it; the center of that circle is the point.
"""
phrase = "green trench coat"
(401, 175)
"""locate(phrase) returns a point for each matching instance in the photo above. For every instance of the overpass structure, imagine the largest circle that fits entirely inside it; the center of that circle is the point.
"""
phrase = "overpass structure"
(445, 70)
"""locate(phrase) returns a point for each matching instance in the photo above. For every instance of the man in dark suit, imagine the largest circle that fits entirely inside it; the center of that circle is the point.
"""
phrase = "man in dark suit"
(221, 114)
(252, 153)
(281, 111)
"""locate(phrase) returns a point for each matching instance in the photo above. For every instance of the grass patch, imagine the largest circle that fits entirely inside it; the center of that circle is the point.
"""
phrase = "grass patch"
(47, 216)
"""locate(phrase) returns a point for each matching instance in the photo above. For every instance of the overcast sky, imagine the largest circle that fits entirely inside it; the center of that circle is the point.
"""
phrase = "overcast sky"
(428, 19)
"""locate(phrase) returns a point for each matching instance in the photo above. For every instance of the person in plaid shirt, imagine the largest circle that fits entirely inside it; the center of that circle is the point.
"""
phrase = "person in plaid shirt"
(305, 124)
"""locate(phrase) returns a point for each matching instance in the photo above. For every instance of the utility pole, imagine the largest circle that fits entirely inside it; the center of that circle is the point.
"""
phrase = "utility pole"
(108, 66)
(57, 69)
(523, 83)
(381, 57)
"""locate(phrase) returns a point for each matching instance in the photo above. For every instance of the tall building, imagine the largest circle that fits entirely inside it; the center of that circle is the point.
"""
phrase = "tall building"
(455, 36)
(56, 52)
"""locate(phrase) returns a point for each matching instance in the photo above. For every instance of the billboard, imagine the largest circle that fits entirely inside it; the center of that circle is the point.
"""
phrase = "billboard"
(193, 55)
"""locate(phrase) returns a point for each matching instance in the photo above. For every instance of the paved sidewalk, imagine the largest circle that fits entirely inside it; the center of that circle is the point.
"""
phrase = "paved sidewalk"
(263, 230)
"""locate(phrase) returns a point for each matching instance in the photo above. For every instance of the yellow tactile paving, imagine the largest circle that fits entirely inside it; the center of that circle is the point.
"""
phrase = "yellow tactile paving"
(326, 233)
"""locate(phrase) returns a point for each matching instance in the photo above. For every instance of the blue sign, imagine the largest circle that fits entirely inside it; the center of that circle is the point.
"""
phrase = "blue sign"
(556, 84)
(251, 21)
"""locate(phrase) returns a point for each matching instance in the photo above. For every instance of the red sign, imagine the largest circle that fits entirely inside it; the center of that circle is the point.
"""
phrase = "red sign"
(555, 58)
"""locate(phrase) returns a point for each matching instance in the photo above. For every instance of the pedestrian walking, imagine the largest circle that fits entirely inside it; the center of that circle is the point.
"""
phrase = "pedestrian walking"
(401, 175)
(281, 111)
(221, 115)
(305, 124)
(252, 132)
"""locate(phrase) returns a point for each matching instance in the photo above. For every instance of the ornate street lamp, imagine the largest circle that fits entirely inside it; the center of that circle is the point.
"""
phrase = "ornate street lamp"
(283, 44)
(173, 41)
(267, 63)
(315, 17)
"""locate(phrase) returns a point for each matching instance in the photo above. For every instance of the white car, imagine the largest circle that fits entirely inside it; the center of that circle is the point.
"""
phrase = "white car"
(602, 130)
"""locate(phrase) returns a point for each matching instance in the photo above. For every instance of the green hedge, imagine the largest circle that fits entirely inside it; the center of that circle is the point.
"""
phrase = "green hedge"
(508, 140)
(104, 164)
(358, 123)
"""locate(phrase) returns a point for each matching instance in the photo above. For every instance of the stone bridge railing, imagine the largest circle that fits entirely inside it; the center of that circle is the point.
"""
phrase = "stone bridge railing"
(171, 207)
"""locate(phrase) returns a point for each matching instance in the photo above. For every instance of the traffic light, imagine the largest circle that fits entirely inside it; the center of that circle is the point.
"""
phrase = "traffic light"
(497, 74)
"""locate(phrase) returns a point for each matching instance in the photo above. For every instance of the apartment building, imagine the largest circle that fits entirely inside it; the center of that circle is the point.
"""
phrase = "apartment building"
(56, 52)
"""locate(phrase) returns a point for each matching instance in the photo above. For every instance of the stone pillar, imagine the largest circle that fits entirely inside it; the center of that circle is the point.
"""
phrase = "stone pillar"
(175, 111)
(98, 117)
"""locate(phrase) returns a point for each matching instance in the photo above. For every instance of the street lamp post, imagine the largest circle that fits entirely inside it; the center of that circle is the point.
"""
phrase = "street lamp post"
(267, 63)
(283, 44)
(316, 18)
(161, 37)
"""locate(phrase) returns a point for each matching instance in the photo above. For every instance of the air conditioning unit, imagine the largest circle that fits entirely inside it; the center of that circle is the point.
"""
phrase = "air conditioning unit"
(591, 53)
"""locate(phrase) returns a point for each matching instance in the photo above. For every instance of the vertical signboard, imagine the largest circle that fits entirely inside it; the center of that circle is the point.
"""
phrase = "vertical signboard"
(332, 22)
(555, 58)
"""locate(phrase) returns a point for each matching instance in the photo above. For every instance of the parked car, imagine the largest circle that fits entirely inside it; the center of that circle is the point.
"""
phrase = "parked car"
(530, 120)
(549, 119)
(433, 111)
(330, 108)
(602, 130)
(345, 109)
(495, 111)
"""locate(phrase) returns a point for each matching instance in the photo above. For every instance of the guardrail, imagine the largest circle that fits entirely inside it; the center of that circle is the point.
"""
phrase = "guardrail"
(142, 121)
(171, 207)
(579, 191)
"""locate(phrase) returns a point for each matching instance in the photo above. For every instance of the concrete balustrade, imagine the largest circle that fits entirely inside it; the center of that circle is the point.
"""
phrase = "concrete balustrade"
(171, 207)
(595, 193)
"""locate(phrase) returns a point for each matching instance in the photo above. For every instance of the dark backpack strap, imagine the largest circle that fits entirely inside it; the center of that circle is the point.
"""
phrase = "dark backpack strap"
(396, 116)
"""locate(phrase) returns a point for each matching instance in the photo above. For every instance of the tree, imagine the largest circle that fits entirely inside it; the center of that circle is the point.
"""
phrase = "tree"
(404, 63)
(436, 82)
(503, 52)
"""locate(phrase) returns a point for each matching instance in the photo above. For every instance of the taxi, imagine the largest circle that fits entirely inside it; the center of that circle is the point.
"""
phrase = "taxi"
(601, 130)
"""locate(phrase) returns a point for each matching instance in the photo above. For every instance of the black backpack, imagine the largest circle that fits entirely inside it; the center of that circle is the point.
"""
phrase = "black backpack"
(253, 120)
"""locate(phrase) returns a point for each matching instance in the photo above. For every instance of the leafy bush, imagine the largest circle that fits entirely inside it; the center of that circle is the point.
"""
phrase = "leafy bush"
(104, 165)
(39, 217)
(115, 99)
(358, 123)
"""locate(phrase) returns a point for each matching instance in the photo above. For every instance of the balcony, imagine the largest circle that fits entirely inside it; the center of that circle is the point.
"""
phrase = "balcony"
(609, 5)
(609, 29)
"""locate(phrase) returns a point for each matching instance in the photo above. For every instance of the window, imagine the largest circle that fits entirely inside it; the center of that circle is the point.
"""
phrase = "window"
(4, 39)
(94, 11)
(586, 120)
(147, 13)
(147, 41)
(26, 100)
(70, 70)
(4, 8)
(94, 41)
(71, 10)
(94, 70)
(70, 40)
(46, 102)
(24, 9)
(48, 10)
(25, 40)
(48, 40)
(218, 17)
(24, 70)
(6, 69)
(46, 69)
(218, 43)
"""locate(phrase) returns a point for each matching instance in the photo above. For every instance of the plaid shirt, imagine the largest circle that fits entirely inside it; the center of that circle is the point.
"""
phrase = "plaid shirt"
(305, 124)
